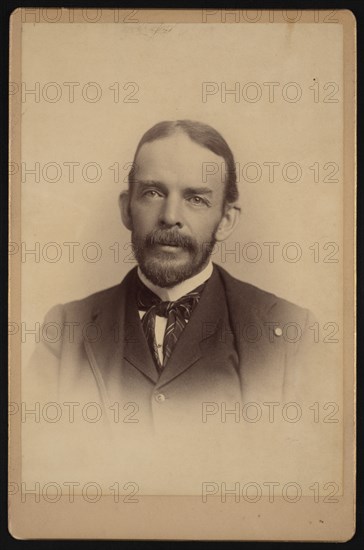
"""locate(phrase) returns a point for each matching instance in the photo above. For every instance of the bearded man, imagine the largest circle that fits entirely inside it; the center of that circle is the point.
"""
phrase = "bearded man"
(178, 330)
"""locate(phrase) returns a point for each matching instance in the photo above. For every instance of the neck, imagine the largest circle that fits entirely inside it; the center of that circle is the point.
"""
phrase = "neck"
(174, 293)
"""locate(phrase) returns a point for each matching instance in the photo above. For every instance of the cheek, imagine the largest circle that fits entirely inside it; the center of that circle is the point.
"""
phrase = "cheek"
(143, 220)
(205, 226)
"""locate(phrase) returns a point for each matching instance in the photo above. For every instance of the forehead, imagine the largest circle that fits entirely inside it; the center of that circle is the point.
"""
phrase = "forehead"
(176, 158)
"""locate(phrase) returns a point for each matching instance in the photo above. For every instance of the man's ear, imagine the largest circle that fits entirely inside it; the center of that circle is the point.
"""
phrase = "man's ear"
(228, 222)
(124, 205)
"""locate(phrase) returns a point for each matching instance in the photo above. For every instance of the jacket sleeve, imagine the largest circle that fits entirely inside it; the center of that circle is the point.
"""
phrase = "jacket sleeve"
(308, 372)
(40, 375)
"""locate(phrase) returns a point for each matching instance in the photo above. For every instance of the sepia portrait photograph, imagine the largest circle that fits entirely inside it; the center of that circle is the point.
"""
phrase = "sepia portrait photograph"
(182, 331)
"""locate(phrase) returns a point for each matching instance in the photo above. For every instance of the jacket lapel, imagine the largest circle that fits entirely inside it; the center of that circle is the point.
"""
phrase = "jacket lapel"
(261, 355)
(136, 349)
(203, 325)
(120, 337)
(105, 352)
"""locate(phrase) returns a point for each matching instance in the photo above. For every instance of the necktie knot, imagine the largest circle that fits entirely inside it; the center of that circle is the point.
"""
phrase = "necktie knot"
(183, 306)
(177, 313)
(148, 301)
(163, 308)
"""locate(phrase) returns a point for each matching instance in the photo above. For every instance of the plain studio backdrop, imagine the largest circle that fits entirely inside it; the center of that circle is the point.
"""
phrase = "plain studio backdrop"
(146, 73)
(275, 92)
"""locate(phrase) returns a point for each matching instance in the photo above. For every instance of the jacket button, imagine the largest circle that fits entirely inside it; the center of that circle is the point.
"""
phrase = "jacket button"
(278, 331)
(160, 397)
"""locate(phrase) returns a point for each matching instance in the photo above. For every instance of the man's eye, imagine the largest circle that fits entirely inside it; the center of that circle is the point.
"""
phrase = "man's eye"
(198, 201)
(152, 193)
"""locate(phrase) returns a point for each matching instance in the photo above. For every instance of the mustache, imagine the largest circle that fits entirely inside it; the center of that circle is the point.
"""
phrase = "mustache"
(172, 238)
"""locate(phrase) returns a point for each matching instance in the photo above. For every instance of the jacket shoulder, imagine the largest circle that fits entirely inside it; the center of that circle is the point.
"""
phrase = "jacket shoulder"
(266, 305)
(85, 309)
(92, 303)
(102, 300)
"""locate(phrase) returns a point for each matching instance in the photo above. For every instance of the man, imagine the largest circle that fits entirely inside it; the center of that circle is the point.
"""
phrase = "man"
(178, 331)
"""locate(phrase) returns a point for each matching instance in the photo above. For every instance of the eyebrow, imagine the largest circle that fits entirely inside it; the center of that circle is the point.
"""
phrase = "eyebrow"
(199, 190)
(147, 183)
(196, 190)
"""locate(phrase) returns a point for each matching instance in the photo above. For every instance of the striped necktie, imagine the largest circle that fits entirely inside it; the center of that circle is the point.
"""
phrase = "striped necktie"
(177, 313)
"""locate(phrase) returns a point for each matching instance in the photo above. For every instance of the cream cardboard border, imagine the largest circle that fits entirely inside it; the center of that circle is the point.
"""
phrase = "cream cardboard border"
(181, 517)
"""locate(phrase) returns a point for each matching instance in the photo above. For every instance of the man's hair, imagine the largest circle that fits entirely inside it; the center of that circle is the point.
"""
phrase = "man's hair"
(203, 135)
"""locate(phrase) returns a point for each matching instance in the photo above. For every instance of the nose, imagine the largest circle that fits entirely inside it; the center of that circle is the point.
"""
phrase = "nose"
(170, 214)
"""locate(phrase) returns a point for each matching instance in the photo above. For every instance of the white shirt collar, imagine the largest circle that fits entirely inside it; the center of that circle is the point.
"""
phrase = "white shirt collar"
(174, 293)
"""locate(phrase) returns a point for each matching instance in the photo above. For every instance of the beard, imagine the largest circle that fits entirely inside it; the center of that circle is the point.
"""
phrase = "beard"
(166, 268)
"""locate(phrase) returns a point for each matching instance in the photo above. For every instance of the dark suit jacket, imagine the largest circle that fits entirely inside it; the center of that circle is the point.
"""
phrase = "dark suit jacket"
(241, 344)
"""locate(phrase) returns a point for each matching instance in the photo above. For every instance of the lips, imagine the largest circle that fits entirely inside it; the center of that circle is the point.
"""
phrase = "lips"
(169, 248)
(175, 245)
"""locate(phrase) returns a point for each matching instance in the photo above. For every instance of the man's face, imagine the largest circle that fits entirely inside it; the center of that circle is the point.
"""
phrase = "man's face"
(174, 214)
